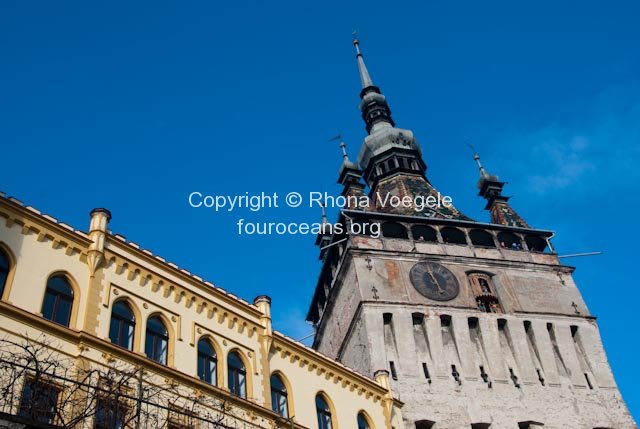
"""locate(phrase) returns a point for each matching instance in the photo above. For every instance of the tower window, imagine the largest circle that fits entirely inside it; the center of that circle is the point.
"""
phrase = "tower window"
(417, 319)
(394, 230)
(508, 240)
(424, 233)
(480, 237)
(535, 243)
(484, 291)
(452, 235)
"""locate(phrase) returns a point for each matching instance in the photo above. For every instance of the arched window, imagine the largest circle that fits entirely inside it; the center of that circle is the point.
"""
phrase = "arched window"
(157, 340)
(453, 235)
(4, 270)
(480, 237)
(123, 325)
(58, 300)
(237, 375)
(207, 361)
(535, 243)
(363, 422)
(394, 230)
(323, 412)
(279, 399)
(424, 233)
(509, 241)
(484, 291)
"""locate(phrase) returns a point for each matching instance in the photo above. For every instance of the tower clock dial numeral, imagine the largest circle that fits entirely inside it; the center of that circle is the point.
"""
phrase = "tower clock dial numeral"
(434, 281)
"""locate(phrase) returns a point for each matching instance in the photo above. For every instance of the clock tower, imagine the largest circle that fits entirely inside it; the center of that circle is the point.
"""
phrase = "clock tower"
(478, 324)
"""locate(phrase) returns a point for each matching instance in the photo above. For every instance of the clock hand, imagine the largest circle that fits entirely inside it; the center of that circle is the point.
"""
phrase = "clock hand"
(435, 280)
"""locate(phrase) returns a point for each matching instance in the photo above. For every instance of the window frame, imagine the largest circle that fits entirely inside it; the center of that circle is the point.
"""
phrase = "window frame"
(122, 322)
(207, 359)
(59, 297)
(237, 385)
(154, 337)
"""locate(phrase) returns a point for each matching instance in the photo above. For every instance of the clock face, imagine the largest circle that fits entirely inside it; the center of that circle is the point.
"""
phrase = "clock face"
(434, 281)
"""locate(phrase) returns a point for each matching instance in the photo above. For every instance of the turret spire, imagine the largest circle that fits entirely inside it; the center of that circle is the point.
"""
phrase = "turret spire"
(491, 190)
(365, 78)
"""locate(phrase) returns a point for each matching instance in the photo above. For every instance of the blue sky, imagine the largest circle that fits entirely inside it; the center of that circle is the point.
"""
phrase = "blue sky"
(132, 106)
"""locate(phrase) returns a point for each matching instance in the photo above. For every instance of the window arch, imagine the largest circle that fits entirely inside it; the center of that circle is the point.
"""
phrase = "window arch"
(5, 266)
(237, 375)
(484, 291)
(394, 230)
(480, 237)
(424, 233)
(156, 345)
(207, 362)
(453, 235)
(279, 396)
(364, 421)
(123, 325)
(323, 412)
(58, 300)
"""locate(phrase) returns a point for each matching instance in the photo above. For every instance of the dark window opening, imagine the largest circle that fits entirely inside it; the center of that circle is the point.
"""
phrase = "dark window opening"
(514, 378)
(386, 318)
(394, 230)
(392, 367)
(456, 375)
(586, 377)
(424, 233)
(425, 371)
(445, 320)
(4, 271)
(452, 235)
(425, 424)
(58, 300)
(417, 319)
(540, 377)
(480, 237)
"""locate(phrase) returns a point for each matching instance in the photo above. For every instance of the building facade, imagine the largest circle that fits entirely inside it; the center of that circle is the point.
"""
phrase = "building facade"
(479, 324)
(96, 332)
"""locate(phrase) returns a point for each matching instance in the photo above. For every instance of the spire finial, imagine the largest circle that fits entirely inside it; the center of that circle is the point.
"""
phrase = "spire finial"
(476, 158)
(324, 214)
(365, 79)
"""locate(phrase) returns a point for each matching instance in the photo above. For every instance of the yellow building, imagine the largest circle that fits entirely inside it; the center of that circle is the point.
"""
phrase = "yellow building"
(99, 332)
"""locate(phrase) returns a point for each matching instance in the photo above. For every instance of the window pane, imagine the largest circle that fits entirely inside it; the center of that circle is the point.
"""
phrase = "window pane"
(62, 312)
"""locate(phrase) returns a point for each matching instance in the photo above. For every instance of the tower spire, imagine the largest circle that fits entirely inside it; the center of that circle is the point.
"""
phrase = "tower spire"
(373, 105)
